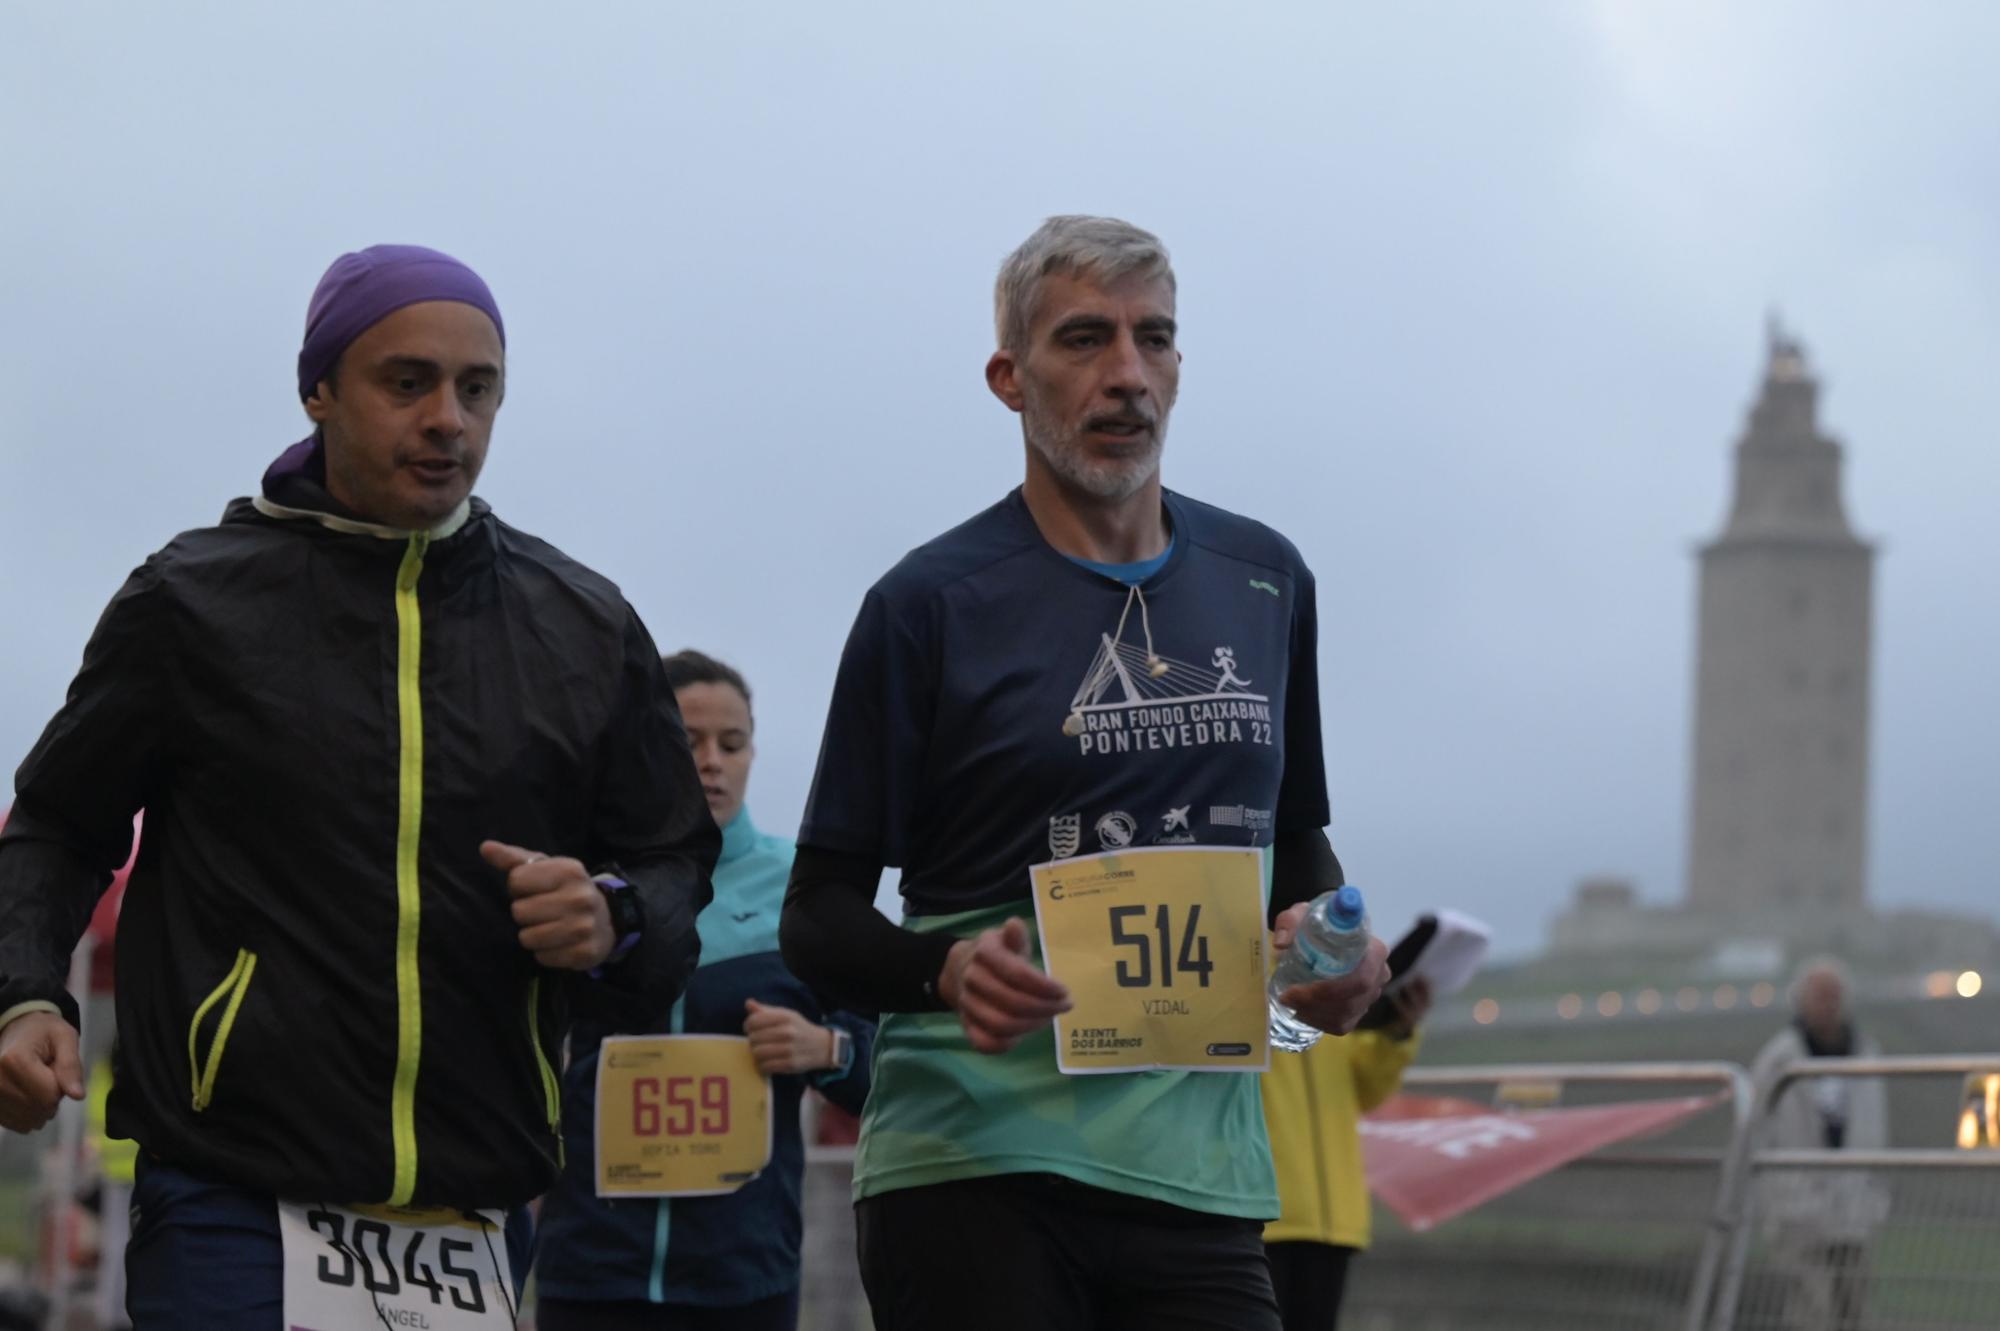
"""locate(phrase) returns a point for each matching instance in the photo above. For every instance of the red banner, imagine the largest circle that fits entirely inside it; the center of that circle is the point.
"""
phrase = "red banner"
(1430, 1159)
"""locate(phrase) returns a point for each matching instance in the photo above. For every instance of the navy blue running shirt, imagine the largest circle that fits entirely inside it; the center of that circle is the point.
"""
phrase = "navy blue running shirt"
(990, 714)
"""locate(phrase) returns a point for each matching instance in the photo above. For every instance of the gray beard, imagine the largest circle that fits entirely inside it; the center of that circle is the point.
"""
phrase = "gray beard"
(1110, 481)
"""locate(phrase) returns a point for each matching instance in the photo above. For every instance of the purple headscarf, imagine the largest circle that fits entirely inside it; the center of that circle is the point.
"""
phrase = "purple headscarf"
(365, 287)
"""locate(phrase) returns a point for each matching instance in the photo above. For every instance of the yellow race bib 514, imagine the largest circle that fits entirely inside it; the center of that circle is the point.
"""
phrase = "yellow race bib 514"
(1163, 950)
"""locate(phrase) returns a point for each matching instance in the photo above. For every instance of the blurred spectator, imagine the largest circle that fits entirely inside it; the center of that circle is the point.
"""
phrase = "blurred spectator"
(1313, 1103)
(117, 1165)
(1821, 1223)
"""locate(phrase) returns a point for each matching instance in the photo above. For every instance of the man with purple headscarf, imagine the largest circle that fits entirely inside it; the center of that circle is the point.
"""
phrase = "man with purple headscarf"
(416, 789)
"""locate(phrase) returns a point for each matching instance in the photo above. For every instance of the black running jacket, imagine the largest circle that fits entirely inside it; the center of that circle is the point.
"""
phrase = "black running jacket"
(321, 991)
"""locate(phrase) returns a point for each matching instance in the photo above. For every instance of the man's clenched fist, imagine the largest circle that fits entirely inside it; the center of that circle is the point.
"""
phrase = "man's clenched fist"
(560, 912)
(39, 1065)
(998, 993)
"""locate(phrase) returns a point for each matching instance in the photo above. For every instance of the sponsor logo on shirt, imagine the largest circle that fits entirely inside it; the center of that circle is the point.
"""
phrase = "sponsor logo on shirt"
(1115, 830)
(1236, 815)
(1065, 835)
(1131, 701)
(1174, 827)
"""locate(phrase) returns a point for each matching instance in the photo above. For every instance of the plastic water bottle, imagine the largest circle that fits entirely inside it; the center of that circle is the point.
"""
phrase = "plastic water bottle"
(1331, 941)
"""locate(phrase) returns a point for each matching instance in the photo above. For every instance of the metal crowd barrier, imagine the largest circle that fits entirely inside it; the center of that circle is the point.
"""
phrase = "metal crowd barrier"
(1731, 1236)
(1859, 1240)
(42, 1172)
(1615, 1241)
(830, 1294)
(1711, 1230)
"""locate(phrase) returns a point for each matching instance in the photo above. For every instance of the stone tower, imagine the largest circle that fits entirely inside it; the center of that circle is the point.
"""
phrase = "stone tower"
(1780, 799)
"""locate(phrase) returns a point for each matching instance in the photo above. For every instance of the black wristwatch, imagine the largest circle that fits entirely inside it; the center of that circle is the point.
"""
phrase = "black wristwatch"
(628, 918)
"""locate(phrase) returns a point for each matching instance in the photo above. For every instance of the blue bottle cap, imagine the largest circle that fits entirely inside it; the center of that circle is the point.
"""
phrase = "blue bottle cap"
(1347, 908)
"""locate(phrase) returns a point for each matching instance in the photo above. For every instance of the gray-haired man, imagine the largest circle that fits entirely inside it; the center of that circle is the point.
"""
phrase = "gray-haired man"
(993, 1190)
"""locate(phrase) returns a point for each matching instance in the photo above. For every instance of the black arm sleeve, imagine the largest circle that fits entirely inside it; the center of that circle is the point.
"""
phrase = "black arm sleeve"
(71, 825)
(834, 939)
(1303, 865)
(651, 826)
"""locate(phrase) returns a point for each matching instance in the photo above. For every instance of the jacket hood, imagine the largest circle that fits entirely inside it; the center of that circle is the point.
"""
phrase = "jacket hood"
(294, 489)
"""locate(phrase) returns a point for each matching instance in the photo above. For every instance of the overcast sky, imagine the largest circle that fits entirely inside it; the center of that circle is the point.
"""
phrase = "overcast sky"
(1472, 302)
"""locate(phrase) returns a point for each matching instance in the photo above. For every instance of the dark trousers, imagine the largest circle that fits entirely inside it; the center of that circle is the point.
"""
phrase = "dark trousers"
(207, 1256)
(1309, 1279)
(1035, 1250)
(778, 1313)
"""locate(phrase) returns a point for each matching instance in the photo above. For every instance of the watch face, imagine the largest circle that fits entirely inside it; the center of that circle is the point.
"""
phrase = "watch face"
(626, 917)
